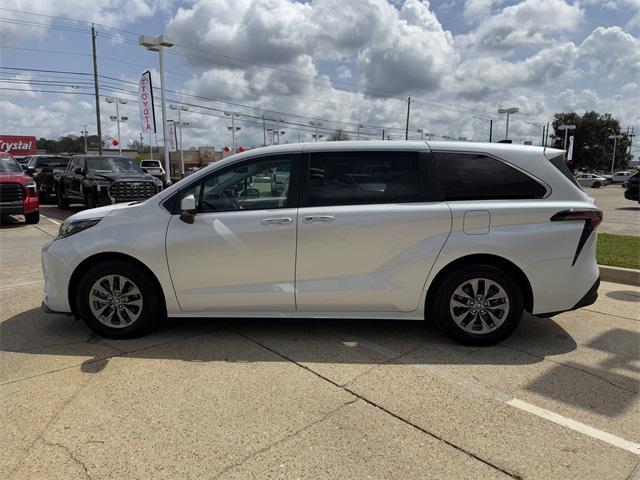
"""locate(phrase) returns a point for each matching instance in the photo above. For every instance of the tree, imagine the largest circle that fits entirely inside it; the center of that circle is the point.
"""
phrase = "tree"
(338, 136)
(592, 148)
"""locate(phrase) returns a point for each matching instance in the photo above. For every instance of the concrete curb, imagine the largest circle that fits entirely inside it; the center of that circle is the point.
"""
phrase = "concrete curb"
(628, 276)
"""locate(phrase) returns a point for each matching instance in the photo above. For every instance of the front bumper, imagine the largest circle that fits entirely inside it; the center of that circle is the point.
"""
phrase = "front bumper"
(11, 208)
(59, 260)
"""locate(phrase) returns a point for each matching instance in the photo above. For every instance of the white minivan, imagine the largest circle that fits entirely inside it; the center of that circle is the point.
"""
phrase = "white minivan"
(469, 235)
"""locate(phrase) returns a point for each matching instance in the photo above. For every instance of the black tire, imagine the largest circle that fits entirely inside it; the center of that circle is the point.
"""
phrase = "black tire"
(63, 202)
(33, 217)
(152, 311)
(441, 305)
(596, 185)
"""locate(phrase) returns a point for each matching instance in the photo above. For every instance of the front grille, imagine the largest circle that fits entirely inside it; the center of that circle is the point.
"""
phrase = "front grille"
(131, 191)
(11, 192)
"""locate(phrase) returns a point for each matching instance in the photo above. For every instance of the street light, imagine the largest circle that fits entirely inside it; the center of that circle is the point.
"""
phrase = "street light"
(566, 129)
(233, 128)
(421, 132)
(358, 131)
(118, 118)
(85, 133)
(615, 140)
(180, 108)
(508, 111)
(316, 124)
(157, 44)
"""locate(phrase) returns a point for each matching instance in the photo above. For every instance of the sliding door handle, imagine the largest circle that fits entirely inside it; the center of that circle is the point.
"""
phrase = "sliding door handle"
(276, 221)
(319, 219)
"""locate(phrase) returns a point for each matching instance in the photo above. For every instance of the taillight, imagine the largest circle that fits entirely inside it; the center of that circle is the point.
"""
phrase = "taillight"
(591, 218)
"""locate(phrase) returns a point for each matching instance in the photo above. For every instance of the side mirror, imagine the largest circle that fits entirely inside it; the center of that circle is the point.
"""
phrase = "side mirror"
(188, 209)
(24, 167)
(78, 171)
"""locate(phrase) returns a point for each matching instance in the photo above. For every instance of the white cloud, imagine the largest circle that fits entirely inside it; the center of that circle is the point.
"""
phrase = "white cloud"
(528, 23)
(612, 53)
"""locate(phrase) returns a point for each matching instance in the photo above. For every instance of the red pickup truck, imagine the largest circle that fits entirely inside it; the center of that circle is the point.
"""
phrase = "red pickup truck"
(18, 191)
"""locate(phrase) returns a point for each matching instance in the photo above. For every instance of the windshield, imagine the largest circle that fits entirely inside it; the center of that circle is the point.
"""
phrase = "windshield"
(150, 164)
(51, 162)
(8, 164)
(112, 165)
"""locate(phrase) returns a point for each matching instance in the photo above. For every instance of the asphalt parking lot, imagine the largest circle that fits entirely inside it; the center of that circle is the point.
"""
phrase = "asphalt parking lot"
(621, 216)
(313, 399)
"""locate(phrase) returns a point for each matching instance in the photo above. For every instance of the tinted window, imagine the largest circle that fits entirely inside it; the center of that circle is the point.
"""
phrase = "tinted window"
(478, 177)
(251, 185)
(356, 178)
(49, 162)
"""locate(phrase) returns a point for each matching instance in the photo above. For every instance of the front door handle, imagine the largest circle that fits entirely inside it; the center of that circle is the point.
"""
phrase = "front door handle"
(319, 219)
(277, 221)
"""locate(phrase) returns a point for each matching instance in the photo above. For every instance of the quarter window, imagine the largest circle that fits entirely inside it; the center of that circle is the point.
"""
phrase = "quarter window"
(480, 177)
(357, 178)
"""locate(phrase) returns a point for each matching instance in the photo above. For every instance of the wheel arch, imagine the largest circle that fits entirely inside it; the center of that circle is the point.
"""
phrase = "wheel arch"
(89, 262)
(507, 266)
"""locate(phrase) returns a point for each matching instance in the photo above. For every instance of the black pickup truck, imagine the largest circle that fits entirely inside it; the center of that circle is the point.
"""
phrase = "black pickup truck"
(44, 169)
(95, 180)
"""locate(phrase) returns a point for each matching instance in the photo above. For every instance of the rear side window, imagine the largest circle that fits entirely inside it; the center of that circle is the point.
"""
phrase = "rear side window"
(360, 178)
(560, 164)
(480, 177)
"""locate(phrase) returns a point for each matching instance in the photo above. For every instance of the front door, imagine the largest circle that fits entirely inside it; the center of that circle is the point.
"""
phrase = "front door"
(368, 232)
(239, 253)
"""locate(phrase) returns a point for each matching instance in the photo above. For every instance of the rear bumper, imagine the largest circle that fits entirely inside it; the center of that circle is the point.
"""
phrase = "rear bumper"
(589, 298)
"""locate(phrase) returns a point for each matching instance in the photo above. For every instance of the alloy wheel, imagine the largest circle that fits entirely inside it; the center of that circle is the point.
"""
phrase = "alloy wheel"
(479, 306)
(115, 301)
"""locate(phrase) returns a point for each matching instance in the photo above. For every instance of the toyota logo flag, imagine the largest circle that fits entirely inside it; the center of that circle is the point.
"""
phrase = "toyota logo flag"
(145, 100)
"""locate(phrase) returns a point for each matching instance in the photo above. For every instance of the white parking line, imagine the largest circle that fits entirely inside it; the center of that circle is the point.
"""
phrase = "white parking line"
(50, 219)
(505, 398)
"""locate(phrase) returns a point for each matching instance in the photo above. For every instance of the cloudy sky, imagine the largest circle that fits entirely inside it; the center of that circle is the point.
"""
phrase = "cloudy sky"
(341, 62)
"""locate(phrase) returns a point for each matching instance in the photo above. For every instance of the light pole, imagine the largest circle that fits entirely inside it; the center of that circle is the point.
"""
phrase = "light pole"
(180, 108)
(488, 121)
(316, 137)
(84, 132)
(316, 124)
(117, 118)
(157, 44)
(233, 128)
(421, 132)
(566, 129)
(615, 141)
(358, 131)
(508, 111)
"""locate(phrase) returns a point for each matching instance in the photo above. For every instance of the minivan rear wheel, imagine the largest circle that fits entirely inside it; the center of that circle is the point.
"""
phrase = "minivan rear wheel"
(478, 305)
(117, 300)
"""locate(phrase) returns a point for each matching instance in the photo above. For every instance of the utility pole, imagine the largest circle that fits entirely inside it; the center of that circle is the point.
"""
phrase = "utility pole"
(84, 131)
(316, 125)
(546, 136)
(95, 85)
(615, 140)
(406, 129)
(264, 133)
(383, 134)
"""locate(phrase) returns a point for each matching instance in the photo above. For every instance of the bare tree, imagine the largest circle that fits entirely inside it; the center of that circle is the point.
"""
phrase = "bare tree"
(338, 136)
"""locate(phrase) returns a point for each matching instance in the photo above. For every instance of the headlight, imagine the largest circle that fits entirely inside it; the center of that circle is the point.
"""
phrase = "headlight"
(158, 183)
(71, 228)
(31, 188)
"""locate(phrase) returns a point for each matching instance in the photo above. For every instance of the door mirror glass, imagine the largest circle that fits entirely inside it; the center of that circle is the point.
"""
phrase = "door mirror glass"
(188, 208)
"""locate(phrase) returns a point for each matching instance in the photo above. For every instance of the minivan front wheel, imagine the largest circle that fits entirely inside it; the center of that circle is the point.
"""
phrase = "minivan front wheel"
(478, 305)
(117, 300)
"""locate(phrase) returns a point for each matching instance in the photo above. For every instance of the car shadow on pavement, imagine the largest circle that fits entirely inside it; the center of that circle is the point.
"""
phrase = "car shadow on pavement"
(340, 342)
(624, 295)
(12, 221)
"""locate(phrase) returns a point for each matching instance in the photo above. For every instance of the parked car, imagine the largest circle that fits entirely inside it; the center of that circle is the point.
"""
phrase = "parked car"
(470, 235)
(632, 187)
(618, 177)
(43, 169)
(96, 180)
(154, 168)
(590, 180)
(18, 193)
